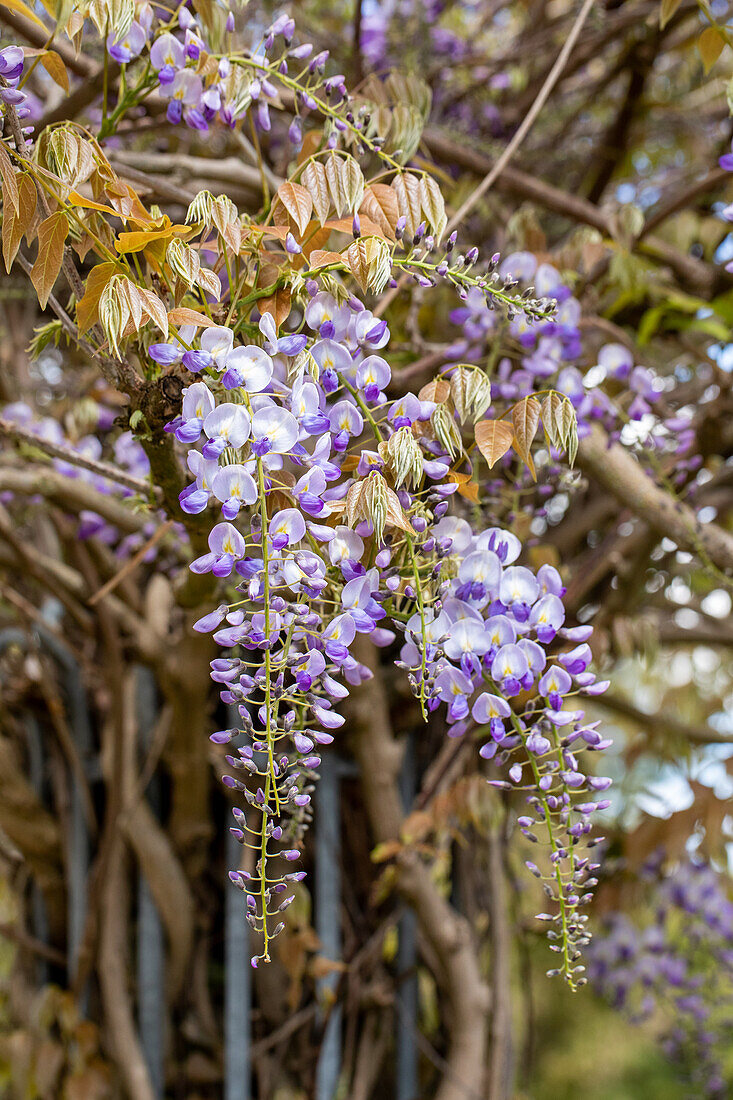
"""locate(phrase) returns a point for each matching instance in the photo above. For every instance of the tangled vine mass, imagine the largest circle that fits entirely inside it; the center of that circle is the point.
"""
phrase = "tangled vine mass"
(330, 503)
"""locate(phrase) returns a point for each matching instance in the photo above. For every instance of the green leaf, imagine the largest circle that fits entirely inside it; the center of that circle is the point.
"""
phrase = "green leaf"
(667, 10)
(25, 11)
(710, 45)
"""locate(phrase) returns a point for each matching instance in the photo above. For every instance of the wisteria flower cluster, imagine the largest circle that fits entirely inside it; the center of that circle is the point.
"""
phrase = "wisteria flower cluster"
(333, 522)
(482, 650)
(675, 969)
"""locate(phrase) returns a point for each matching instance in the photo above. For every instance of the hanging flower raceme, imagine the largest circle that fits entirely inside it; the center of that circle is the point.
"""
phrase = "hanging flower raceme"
(328, 508)
(484, 653)
(289, 645)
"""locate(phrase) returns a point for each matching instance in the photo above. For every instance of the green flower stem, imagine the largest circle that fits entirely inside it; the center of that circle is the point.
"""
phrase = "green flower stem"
(421, 606)
(557, 873)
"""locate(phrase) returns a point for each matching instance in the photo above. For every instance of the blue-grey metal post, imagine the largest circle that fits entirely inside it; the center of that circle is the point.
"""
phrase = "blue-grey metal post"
(328, 914)
(237, 978)
(38, 904)
(407, 991)
(150, 939)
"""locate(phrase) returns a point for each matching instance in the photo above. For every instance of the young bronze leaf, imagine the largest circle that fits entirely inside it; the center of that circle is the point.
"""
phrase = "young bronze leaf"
(438, 390)
(459, 391)
(89, 204)
(278, 304)
(12, 236)
(335, 180)
(493, 439)
(352, 179)
(51, 236)
(357, 255)
(155, 310)
(710, 44)
(322, 258)
(56, 69)
(182, 315)
(314, 178)
(526, 417)
(137, 241)
(381, 207)
(298, 202)
(315, 239)
(395, 515)
(10, 184)
(346, 225)
(15, 225)
(131, 293)
(407, 189)
(550, 412)
(568, 427)
(433, 205)
(467, 487)
(209, 281)
(87, 306)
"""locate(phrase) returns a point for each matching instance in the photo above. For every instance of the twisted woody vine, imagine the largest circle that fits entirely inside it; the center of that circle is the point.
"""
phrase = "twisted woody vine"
(319, 504)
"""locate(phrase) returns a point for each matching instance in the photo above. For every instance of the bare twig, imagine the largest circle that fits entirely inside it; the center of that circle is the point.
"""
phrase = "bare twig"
(74, 494)
(56, 450)
(661, 723)
(617, 471)
(529, 119)
(132, 564)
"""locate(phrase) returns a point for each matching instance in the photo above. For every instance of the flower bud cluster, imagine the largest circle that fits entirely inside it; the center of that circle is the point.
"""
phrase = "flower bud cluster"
(489, 290)
(203, 83)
